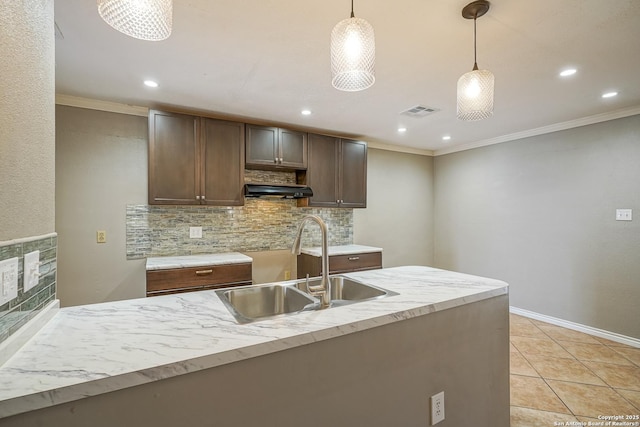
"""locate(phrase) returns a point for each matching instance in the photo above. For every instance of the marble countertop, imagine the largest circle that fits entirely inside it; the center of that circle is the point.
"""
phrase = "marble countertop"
(94, 349)
(341, 250)
(166, 262)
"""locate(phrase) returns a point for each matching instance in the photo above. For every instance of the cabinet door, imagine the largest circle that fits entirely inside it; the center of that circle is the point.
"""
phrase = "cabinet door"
(262, 146)
(173, 171)
(292, 149)
(322, 173)
(222, 162)
(353, 174)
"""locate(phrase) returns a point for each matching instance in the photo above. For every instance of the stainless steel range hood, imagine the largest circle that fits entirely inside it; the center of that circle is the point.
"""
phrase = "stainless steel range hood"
(281, 191)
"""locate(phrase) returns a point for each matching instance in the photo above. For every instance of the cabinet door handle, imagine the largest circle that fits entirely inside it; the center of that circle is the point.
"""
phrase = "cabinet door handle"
(353, 258)
(275, 160)
(203, 272)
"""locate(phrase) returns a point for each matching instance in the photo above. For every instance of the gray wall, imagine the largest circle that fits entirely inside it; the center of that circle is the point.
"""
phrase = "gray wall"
(101, 166)
(539, 213)
(27, 119)
(27, 150)
(399, 215)
(379, 377)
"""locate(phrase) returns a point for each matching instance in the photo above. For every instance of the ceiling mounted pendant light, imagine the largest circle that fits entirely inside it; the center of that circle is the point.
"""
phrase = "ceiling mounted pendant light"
(141, 19)
(475, 88)
(353, 54)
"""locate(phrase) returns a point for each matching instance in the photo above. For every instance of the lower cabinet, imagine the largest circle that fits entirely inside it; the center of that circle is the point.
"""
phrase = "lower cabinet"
(176, 280)
(312, 265)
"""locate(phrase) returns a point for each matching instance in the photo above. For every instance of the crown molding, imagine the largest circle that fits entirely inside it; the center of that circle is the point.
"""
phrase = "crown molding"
(589, 120)
(399, 148)
(96, 104)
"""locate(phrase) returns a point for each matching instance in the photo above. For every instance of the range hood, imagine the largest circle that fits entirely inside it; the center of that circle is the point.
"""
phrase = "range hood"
(282, 191)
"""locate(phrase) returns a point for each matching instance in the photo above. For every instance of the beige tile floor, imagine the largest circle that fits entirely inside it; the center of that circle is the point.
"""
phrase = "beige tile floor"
(560, 376)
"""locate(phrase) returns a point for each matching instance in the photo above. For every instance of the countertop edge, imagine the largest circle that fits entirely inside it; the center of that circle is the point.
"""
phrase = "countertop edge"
(200, 260)
(341, 250)
(66, 394)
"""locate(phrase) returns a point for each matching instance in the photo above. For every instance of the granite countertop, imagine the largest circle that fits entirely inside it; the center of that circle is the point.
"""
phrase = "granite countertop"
(167, 262)
(94, 349)
(341, 250)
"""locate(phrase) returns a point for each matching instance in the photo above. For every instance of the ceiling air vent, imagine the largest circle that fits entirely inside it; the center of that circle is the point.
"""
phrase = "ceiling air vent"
(419, 111)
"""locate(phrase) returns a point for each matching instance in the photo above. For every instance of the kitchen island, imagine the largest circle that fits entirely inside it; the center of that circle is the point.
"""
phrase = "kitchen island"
(183, 359)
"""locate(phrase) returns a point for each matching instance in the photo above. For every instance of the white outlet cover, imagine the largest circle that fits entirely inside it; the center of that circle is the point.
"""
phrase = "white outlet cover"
(8, 280)
(437, 408)
(31, 270)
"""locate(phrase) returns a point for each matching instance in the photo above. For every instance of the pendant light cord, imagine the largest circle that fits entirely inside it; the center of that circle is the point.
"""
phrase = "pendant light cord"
(475, 59)
(352, 14)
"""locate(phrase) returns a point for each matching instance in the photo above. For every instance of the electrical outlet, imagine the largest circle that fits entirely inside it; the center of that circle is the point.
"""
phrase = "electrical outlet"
(31, 276)
(101, 236)
(8, 280)
(287, 275)
(437, 408)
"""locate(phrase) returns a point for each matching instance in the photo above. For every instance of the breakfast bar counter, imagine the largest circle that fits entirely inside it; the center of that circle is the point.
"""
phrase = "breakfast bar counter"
(95, 349)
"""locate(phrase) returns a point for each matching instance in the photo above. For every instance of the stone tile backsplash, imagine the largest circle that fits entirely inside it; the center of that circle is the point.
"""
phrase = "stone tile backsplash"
(18, 312)
(259, 225)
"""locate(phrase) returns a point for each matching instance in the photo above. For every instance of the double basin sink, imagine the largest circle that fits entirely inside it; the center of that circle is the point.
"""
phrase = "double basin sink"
(257, 302)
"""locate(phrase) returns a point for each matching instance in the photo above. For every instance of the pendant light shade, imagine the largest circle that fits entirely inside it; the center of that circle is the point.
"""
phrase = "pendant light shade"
(475, 88)
(475, 95)
(141, 19)
(353, 54)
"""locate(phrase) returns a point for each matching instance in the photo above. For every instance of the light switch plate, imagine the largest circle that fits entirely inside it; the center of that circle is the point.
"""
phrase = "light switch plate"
(31, 270)
(8, 280)
(624, 215)
(195, 232)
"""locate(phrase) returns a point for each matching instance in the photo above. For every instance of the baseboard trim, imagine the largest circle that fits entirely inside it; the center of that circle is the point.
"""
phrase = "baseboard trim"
(612, 336)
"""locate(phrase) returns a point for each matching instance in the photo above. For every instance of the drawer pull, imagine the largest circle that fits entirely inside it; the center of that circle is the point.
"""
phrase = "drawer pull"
(354, 258)
(203, 272)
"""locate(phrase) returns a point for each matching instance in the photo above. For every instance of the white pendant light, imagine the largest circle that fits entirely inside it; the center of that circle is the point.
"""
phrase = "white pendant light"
(141, 19)
(475, 88)
(353, 54)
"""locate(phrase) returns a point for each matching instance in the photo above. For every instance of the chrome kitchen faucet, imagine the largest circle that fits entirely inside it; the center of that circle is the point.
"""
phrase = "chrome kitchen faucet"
(323, 290)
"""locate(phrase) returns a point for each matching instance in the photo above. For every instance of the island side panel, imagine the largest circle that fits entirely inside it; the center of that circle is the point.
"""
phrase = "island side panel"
(378, 377)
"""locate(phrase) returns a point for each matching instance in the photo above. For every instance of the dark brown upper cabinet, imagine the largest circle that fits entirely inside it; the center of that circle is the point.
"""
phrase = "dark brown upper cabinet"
(195, 160)
(275, 148)
(337, 173)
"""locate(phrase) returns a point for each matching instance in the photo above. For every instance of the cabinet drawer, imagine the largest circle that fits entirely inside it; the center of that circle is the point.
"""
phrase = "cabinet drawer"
(183, 279)
(312, 265)
(355, 262)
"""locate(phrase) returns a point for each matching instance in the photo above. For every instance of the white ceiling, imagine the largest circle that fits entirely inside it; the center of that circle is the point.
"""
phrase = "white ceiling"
(269, 59)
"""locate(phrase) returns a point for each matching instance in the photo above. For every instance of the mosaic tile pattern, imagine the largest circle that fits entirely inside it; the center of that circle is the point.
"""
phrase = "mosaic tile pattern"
(16, 313)
(273, 177)
(260, 225)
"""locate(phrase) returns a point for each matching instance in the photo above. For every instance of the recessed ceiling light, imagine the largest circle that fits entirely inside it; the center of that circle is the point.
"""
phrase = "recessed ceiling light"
(150, 83)
(446, 138)
(568, 72)
(609, 94)
(402, 130)
(305, 112)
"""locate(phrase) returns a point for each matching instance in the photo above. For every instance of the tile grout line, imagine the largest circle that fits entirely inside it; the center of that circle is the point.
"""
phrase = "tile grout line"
(580, 361)
(575, 358)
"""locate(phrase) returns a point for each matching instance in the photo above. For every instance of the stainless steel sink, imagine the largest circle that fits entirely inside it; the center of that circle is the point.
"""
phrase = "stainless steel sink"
(258, 302)
(250, 303)
(345, 290)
